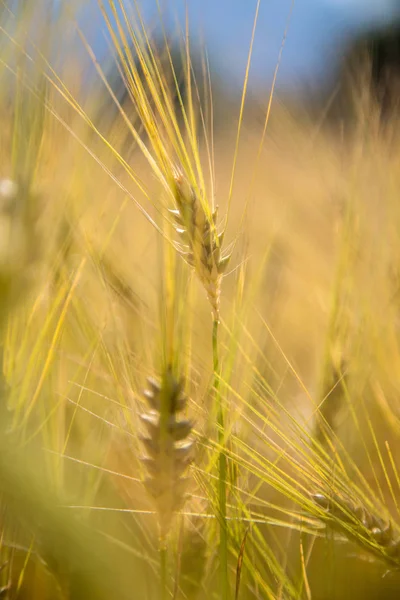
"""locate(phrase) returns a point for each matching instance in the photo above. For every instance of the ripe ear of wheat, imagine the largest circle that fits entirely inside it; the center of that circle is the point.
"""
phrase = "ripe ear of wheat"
(201, 241)
(355, 522)
(168, 448)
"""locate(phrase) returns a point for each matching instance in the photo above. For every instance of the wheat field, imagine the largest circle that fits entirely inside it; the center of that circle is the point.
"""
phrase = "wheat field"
(199, 332)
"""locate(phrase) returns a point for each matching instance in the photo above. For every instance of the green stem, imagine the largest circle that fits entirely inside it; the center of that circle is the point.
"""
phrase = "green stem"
(223, 542)
(163, 569)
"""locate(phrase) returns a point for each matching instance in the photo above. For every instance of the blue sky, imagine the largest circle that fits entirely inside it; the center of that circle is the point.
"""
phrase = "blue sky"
(317, 34)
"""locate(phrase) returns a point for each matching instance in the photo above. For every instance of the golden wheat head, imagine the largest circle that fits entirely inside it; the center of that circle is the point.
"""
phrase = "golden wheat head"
(167, 447)
(374, 534)
(202, 242)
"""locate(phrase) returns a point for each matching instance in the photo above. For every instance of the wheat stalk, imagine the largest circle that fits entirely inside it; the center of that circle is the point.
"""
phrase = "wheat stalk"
(15, 234)
(193, 558)
(202, 250)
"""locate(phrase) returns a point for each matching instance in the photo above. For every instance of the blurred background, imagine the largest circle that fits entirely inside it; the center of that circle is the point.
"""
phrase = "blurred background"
(313, 293)
(319, 35)
(315, 42)
(319, 32)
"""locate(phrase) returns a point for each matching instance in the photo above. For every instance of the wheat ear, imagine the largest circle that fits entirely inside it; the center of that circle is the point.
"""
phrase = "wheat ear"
(167, 447)
(201, 241)
(355, 522)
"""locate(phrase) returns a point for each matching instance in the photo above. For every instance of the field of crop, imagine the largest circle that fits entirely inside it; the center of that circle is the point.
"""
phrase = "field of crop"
(199, 333)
